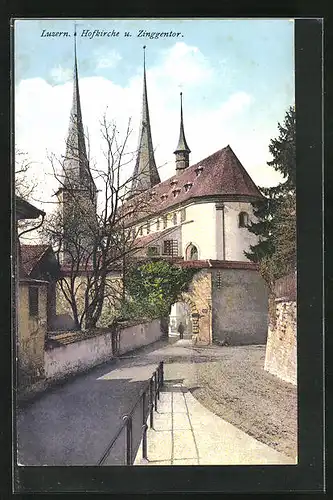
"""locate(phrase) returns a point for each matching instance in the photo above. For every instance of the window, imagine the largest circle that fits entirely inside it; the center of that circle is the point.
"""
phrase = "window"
(183, 215)
(191, 252)
(174, 218)
(141, 230)
(148, 227)
(188, 186)
(170, 247)
(33, 301)
(198, 170)
(243, 219)
(165, 222)
(158, 224)
(153, 250)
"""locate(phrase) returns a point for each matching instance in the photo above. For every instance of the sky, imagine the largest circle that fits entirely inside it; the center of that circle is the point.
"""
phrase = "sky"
(237, 79)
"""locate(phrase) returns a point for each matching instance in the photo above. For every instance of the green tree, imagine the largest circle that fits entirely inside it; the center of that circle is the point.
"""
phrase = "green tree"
(152, 288)
(283, 150)
(275, 251)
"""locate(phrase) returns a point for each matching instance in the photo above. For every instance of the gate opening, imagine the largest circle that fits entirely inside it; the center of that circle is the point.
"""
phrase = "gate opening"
(180, 313)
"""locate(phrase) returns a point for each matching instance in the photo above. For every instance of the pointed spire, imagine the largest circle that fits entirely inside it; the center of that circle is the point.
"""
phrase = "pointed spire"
(76, 164)
(145, 172)
(183, 151)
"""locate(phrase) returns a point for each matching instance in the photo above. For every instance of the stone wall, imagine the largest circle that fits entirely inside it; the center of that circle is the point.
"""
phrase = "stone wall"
(31, 333)
(239, 307)
(78, 356)
(136, 336)
(199, 298)
(281, 349)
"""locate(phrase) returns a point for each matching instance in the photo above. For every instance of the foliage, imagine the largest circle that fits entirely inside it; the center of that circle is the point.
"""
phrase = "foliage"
(283, 150)
(276, 214)
(152, 288)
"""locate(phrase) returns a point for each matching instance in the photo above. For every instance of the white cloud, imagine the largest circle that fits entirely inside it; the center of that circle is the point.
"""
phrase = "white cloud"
(60, 74)
(42, 115)
(236, 103)
(107, 60)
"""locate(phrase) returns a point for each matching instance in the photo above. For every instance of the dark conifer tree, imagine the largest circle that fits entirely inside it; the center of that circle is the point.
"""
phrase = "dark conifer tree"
(276, 214)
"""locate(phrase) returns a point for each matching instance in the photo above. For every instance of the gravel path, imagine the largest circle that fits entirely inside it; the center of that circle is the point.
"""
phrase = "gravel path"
(237, 388)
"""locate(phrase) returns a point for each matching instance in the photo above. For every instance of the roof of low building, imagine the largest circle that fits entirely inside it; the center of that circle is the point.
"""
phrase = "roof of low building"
(31, 255)
(219, 175)
(143, 241)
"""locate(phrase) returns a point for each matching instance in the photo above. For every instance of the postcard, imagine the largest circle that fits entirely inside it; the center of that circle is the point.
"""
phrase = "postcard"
(156, 264)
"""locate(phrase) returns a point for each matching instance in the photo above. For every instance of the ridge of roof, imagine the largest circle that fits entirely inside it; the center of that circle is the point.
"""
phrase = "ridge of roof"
(219, 174)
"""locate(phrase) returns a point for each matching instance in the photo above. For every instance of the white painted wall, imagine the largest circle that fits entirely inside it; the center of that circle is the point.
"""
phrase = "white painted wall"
(79, 356)
(237, 239)
(137, 336)
(203, 228)
(202, 231)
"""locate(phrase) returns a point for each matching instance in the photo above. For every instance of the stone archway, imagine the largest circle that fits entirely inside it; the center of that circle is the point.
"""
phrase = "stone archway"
(199, 299)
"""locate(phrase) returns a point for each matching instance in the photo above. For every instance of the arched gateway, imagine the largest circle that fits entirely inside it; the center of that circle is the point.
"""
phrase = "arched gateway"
(228, 303)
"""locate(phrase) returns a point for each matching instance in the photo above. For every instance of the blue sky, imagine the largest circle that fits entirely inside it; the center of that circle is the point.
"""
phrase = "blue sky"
(237, 77)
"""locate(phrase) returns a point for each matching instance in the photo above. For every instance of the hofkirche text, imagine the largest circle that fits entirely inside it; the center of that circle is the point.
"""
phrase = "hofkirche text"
(114, 33)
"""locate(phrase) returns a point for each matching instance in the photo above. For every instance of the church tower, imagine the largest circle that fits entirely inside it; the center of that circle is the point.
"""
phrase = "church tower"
(183, 151)
(145, 173)
(78, 194)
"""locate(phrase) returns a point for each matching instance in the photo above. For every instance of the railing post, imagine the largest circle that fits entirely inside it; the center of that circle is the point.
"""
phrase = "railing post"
(156, 390)
(158, 382)
(128, 420)
(144, 427)
(151, 403)
(162, 373)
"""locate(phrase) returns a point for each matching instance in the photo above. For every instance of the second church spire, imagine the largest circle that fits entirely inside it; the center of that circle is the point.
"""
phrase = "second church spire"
(145, 173)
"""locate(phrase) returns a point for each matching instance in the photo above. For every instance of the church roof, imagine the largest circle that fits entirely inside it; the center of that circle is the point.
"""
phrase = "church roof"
(219, 175)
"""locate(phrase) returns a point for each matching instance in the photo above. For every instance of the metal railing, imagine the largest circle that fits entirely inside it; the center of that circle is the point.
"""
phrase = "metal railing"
(150, 395)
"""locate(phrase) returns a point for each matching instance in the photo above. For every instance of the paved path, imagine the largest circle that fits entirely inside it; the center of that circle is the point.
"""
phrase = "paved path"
(186, 433)
(74, 424)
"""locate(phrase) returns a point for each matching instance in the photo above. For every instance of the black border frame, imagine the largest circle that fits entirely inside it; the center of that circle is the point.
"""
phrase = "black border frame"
(308, 476)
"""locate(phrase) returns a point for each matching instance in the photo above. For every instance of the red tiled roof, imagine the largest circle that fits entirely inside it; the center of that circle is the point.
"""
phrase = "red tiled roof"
(31, 255)
(220, 174)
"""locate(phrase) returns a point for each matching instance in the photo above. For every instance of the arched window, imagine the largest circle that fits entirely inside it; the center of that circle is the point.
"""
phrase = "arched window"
(191, 252)
(243, 219)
